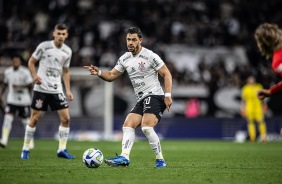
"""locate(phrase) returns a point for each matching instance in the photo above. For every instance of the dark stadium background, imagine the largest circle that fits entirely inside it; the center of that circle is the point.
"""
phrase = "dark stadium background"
(97, 36)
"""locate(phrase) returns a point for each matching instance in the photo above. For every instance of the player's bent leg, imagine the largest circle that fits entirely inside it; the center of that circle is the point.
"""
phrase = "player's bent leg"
(64, 134)
(6, 129)
(132, 121)
(148, 123)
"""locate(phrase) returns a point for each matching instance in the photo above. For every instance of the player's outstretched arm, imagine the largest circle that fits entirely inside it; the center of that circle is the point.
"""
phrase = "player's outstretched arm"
(263, 93)
(165, 73)
(31, 66)
(107, 76)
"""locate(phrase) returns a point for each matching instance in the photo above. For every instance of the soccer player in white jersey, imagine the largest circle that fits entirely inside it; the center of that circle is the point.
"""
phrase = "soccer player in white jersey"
(54, 60)
(18, 80)
(143, 67)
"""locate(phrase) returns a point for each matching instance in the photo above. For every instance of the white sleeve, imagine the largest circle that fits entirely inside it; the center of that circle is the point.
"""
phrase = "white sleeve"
(156, 61)
(5, 80)
(67, 62)
(119, 67)
(37, 54)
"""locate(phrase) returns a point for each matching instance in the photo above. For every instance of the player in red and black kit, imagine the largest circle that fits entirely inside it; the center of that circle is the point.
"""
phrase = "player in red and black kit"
(269, 41)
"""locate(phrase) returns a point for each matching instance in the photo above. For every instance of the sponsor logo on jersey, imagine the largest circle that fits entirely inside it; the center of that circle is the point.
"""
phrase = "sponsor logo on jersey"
(144, 57)
(39, 51)
(279, 68)
(136, 85)
(52, 72)
(140, 94)
(47, 48)
(138, 77)
(38, 104)
(65, 51)
(155, 62)
(49, 55)
(55, 86)
(161, 114)
(133, 69)
(141, 66)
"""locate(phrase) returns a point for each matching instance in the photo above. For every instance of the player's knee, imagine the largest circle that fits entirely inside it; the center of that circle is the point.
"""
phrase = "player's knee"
(33, 121)
(131, 125)
(65, 120)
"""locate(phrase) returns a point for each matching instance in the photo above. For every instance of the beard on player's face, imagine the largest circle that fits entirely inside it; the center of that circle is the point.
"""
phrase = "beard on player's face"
(133, 49)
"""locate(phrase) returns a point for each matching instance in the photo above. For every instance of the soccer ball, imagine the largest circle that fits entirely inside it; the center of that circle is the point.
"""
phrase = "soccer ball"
(92, 158)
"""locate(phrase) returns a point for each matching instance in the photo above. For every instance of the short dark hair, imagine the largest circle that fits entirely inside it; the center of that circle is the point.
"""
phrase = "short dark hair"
(134, 30)
(61, 27)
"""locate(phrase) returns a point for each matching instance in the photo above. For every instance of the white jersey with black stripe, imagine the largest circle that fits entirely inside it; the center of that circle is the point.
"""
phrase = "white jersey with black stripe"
(142, 70)
(51, 62)
(19, 96)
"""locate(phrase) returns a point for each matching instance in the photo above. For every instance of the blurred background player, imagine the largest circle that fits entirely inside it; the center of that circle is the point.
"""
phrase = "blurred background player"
(269, 42)
(19, 82)
(54, 57)
(253, 109)
(143, 67)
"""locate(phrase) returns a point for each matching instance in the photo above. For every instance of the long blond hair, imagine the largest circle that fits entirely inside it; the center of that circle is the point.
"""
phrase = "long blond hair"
(269, 39)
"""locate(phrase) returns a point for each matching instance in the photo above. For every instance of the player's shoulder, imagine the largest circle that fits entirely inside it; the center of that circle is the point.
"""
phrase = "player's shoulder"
(147, 52)
(8, 70)
(66, 49)
(125, 57)
(258, 85)
(151, 55)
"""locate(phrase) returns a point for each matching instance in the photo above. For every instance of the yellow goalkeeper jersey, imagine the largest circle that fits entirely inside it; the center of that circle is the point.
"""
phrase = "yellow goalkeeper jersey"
(252, 104)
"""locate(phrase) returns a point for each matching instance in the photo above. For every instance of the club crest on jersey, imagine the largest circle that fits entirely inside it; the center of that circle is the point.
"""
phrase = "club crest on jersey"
(38, 104)
(63, 59)
(141, 66)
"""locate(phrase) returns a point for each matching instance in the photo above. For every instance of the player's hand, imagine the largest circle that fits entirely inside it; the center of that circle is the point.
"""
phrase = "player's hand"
(70, 96)
(168, 102)
(37, 80)
(263, 93)
(243, 112)
(94, 70)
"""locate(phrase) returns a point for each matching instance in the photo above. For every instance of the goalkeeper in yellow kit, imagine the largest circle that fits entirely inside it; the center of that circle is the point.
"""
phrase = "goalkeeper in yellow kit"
(253, 109)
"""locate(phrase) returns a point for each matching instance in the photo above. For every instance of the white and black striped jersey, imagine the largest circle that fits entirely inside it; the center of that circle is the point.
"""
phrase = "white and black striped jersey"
(19, 96)
(51, 62)
(142, 70)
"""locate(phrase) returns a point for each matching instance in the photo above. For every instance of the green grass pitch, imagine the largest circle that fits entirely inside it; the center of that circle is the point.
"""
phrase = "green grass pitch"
(188, 161)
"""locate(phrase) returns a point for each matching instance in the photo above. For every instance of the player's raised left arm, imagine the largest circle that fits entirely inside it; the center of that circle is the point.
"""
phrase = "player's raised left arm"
(165, 73)
(66, 78)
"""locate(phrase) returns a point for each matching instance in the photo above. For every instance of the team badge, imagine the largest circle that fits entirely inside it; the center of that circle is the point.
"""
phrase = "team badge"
(38, 104)
(141, 66)
(63, 59)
